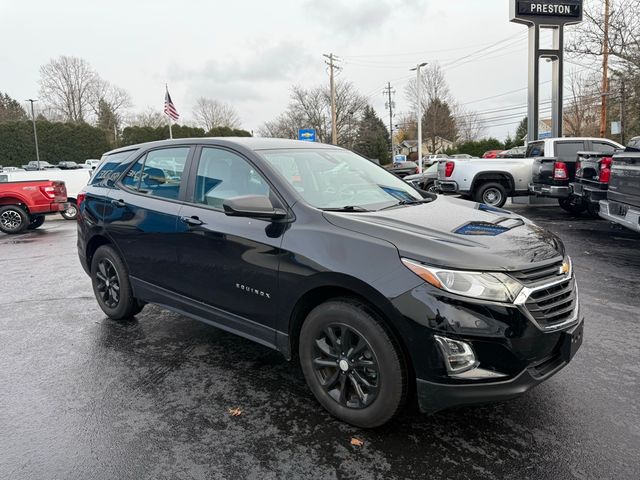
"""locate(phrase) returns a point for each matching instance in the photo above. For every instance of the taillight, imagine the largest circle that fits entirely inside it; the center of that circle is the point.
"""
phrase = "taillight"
(605, 169)
(448, 168)
(80, 198)
(416, 171)
(49, 192)
(560, 171)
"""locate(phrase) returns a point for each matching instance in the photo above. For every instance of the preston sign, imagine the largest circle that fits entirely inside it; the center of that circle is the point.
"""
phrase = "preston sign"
(560, 12)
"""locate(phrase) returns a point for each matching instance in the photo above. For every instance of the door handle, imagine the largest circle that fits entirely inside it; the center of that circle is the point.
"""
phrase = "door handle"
(118, 203)
(192, 221)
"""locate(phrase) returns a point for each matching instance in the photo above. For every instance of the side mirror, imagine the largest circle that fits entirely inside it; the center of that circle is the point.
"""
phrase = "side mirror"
(253, 206)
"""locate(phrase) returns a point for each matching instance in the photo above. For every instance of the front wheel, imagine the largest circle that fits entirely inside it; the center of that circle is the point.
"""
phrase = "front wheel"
(493, 194)
(111, 285)
(351, 363)
(70, 213)
(431, 187)
(13, 219)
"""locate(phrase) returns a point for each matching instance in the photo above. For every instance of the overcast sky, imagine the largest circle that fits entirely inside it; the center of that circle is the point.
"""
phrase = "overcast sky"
(249, 53)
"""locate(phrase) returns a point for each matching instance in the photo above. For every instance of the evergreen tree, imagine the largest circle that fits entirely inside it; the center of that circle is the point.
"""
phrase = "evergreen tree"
(10, 109)
(438, 121)
(372, 140)
(521, 132)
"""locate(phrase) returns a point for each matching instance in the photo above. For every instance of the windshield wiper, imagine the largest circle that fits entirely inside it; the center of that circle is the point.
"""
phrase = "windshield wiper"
(402, 203)
(347, 208)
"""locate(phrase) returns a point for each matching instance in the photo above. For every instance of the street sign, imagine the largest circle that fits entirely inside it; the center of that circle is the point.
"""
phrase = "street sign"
(546, 12)
(307, 134)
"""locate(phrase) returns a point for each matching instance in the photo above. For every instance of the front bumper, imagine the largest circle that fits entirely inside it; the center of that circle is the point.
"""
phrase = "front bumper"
(622, 214)
(541, 190)
(434, 397)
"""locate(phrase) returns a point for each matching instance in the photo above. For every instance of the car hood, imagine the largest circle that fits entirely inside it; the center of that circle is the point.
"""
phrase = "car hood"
(458, 234)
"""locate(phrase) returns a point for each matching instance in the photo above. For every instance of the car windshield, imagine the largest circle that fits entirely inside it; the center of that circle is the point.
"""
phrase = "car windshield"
(335, 179)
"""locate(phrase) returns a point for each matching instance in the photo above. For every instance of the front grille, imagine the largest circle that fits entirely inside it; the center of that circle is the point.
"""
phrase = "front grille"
(539, 275)
(554, 305)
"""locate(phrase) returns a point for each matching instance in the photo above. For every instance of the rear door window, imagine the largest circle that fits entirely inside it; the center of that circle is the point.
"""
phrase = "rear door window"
(603, 147)
(158, 173)
(568, 151)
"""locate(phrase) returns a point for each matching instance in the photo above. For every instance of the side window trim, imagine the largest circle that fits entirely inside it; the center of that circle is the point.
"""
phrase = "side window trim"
(183, 180)
(193, 173)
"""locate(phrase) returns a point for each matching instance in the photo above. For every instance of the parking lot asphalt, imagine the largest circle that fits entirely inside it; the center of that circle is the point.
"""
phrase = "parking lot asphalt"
(82, 396)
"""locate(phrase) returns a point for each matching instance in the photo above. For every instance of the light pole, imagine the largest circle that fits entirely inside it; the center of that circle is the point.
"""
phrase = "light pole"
(35, 131)
(418, 92)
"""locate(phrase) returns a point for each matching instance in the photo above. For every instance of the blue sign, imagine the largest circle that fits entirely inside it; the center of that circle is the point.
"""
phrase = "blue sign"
(399, 158)
(307, 134)
(542, 135)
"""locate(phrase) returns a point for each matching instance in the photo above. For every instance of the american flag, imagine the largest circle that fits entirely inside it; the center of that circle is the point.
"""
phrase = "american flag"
(170, 108)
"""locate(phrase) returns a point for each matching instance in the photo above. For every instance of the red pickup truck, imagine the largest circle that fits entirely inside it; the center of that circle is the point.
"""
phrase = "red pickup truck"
(23, 205)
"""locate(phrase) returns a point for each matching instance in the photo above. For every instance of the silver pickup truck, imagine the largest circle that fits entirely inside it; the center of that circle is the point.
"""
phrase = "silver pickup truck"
(493, 181)
(489, 181)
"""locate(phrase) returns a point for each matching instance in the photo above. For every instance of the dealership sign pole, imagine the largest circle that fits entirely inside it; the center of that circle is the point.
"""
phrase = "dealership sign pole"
(553, 15)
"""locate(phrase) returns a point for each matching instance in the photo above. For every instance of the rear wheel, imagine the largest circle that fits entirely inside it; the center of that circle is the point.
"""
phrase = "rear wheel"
(352, 364)
(36, 222)
(593, 209)
(111, 284)
(13, 219)
(70, 213)
(573, 204)
(493, 194)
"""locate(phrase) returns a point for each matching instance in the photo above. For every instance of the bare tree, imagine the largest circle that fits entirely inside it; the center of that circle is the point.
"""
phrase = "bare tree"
(469, 124)
(213, 113)
(311, 108)
(581, 116)
(68, 84)
(106, 95)
(148, 118)
(434, 87)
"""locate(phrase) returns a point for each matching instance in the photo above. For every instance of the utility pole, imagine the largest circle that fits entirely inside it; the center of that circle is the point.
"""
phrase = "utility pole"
(35, 131)
(332, 66)
(390, 105)
(623, 106)
(419, 95)
(605, 71)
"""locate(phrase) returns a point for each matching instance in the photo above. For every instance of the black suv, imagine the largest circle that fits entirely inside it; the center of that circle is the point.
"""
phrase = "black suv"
(379, 289)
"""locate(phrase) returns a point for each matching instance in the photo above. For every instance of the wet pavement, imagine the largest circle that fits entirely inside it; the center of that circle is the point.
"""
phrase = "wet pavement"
(83, 397)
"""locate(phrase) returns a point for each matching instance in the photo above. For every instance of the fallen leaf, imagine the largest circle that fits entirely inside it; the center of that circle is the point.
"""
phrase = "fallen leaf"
(235, 412)
(356, 442)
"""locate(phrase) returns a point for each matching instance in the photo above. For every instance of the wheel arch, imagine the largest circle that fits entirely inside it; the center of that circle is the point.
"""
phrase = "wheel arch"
(504, 178)
(14, 200)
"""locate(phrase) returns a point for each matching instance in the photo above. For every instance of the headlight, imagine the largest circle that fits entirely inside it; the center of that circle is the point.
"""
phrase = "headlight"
(497, 287)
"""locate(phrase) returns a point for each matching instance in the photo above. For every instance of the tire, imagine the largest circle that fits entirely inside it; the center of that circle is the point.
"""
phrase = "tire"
(70, 213)
(111, 285)
(431, 187)
(492, 193)
(36, 222)
(593, 209)
(574, 205)
(373, 361)
(13, 219)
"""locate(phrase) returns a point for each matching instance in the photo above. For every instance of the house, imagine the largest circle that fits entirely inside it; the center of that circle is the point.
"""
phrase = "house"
(409, 147)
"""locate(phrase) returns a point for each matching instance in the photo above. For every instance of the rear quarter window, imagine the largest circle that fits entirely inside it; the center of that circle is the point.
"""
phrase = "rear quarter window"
(110, 168)
(535, 149)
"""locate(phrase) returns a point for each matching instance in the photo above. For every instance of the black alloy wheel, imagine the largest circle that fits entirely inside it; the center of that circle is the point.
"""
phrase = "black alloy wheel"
(108, 283)
(352, 363)
(111, 285)
(346, 366)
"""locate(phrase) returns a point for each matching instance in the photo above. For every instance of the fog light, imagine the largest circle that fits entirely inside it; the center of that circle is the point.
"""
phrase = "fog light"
(458, 356)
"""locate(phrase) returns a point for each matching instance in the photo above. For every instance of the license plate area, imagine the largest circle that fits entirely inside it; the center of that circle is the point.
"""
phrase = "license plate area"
(571, 342)
(618, 209)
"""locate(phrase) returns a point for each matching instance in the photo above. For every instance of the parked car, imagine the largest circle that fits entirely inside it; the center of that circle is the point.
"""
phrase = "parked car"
(23, 205)
(492, 153)
(11, 169)
(555, 166)
(35, 165)
(489, 181)
(425, 180)
(516, 152)
(593, 172)
(462, 156)
(75, 180)
(91, 163)
(434, 158)
(622, 205)
(68, 165)
(315, 252)
(403, 169)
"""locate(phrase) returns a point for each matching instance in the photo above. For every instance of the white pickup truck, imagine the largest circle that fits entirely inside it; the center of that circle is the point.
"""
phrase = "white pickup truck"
(493, 181)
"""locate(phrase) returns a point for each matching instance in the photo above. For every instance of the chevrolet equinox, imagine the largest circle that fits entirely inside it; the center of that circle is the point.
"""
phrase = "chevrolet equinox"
(381, 291)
